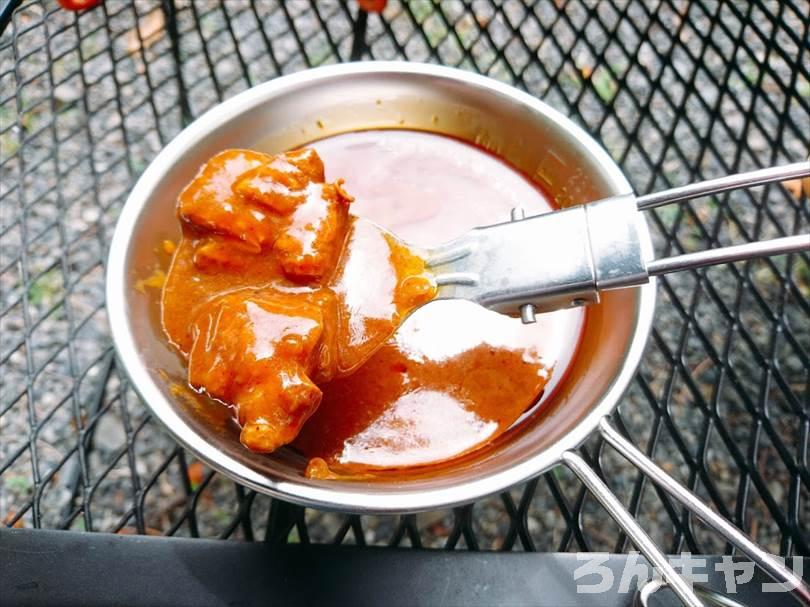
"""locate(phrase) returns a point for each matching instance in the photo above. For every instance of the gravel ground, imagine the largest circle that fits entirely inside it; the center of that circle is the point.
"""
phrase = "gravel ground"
(674, 91)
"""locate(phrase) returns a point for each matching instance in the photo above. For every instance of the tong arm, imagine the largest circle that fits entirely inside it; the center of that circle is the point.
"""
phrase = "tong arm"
(551, 261)
(563, 259)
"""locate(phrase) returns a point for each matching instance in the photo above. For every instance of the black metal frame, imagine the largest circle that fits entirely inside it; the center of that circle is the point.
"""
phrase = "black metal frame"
(675, 92)
(187, 572)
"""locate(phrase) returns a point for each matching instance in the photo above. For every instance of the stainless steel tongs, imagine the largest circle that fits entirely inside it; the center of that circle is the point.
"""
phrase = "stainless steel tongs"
(563, 259)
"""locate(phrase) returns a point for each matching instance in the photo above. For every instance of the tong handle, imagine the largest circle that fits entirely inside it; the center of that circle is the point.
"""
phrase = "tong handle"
(565, 258)
(751, 250)
(723, 184)
(690, 261)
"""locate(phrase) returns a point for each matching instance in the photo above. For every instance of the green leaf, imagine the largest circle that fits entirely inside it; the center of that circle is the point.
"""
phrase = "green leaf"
(803, 88)
(604, 84)
(45, 288)
(18, 484)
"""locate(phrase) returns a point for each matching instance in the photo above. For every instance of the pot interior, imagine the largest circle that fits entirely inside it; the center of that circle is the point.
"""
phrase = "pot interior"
(282, 115)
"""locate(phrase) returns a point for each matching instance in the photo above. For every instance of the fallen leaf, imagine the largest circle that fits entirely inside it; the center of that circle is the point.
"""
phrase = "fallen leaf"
(18, 524)
(794, 186)
(150, 28)
(372, 6)
(134, 531)
(583, 63)
(604, 85)
(196, 474)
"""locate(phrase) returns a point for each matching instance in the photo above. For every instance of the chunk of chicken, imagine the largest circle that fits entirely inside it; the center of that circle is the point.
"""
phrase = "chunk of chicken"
(257, 350)
(264, 300)
(267, 204)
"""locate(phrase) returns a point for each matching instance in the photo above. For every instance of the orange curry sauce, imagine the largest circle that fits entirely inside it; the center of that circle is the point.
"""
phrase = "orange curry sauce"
(286, 305)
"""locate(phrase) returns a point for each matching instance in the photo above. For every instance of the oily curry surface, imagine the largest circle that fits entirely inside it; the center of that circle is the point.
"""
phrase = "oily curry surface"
(289, 307)
(257, 297)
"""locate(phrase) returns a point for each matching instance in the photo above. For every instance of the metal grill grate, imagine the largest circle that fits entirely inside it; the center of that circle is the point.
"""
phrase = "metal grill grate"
(675, 91)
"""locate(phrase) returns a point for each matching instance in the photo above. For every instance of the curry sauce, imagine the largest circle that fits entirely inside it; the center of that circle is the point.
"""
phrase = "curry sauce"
(264, 294)
(299, 315)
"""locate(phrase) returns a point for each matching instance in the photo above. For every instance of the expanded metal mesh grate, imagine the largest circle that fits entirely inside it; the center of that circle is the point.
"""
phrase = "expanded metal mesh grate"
(675, 91)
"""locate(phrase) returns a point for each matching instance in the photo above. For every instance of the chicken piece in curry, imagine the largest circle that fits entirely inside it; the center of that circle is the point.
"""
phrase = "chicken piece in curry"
(268, 294)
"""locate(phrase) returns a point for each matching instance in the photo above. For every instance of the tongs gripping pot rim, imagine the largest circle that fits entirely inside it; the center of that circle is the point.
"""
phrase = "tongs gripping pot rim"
(563, 259)
(551, 261)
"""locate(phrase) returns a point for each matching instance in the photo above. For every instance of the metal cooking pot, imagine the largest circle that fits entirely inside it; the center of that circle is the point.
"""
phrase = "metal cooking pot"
(296, 109)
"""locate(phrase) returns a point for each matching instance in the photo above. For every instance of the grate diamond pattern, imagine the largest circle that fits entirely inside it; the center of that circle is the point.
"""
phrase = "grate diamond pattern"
(675, 91)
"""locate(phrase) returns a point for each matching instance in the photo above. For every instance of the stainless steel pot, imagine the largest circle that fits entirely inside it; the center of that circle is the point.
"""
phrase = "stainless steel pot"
(299, 108)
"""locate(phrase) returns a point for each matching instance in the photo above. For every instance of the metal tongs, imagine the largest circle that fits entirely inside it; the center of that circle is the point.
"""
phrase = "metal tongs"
(565, 258)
